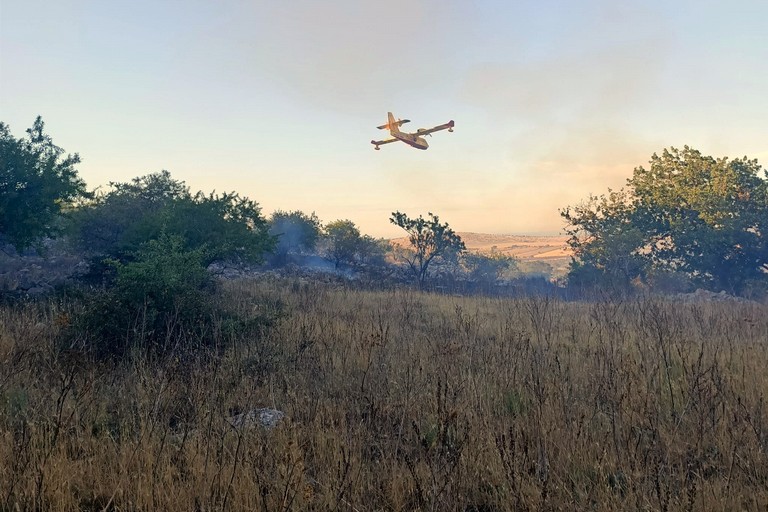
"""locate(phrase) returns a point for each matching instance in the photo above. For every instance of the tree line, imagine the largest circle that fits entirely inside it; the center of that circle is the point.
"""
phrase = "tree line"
(42, 196)
(687, 221)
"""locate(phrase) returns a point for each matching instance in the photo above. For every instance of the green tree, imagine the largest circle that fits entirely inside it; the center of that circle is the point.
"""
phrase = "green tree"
(36, 183)
(487, 269)
(223, 226)
(687, 214)
(226, 225)
(606, 241)
(116, 223)
(429, 239)
(343, 242)
(296, 232)
(373, 251)
(706, 217)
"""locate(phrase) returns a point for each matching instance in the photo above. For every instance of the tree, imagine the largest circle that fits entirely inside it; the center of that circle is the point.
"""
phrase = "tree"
(116, 223)
(487, 269)
(151, 241)
(226, 225)
(343, 242)
(687, 214)
(429, 240)
(296, 233)
(373, 251)
(222, 226)
(36, 183)
(606, 242)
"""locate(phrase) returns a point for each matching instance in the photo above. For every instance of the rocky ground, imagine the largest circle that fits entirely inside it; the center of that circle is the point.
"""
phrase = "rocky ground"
(37, 272)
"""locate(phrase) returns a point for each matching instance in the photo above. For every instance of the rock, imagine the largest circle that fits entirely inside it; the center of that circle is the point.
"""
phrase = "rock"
(80, 269)
(8, 282)
(40, 289)
(701, 295)
(24, 279)
(36, 274)
(266, 418)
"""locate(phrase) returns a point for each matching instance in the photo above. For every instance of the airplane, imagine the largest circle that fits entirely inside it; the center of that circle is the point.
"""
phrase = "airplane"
(412, 139)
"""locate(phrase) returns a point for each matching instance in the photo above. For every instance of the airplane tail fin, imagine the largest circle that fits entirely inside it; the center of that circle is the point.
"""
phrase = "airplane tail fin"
(392, 125)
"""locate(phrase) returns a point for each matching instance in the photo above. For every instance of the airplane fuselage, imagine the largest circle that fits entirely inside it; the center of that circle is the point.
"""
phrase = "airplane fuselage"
(411, 139)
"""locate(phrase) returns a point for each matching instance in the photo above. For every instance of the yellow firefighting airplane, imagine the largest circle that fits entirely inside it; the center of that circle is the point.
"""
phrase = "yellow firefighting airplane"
(412, 139)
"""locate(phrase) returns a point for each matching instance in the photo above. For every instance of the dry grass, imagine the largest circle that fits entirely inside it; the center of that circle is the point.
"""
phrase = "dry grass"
(401, 401)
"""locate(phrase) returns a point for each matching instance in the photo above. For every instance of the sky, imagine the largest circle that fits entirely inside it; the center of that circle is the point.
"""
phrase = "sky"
(279, 100)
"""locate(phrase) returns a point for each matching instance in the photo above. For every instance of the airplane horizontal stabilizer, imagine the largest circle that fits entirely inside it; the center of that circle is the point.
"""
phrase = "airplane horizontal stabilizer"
(401, 122)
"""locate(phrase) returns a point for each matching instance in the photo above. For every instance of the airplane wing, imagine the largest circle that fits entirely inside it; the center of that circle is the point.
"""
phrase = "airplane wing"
(378, 143)
(447, 126)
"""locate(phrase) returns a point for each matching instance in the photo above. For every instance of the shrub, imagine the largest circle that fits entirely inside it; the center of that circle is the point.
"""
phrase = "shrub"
(163, 301)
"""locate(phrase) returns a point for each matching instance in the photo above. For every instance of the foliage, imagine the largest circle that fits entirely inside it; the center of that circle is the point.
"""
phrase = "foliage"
(429, 240)
(222, 226)
(707, 218)
(151, 240)
(226, 225)
(36, 183)
(163, 301)
(296, 233)
(534, 268)
(606, 242)
(343, 242)
(373, 251)
(115, 223)
(687, 214)
(487, 268)
(160, 297)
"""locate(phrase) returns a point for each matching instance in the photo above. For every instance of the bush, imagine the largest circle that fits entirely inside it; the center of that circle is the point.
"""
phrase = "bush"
(297, 234)
(116, 224)
(162, 302)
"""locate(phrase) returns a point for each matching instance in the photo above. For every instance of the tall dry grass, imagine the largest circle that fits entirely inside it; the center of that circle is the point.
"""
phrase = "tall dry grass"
(400, 401)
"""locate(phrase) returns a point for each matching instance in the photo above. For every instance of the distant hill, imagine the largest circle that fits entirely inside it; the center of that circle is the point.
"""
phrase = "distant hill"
(535, 254)
(522, 247)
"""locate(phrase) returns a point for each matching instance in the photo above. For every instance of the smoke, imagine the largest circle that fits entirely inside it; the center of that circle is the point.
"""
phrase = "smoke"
(571, 113)
(344, 56)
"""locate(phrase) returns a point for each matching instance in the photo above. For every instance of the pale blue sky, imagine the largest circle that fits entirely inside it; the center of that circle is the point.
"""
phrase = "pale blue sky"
(278, 100)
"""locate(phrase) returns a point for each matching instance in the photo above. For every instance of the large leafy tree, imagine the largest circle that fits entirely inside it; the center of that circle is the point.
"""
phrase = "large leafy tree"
(150, 241)
(222, 226)
(117, 222)
(296, 232)
(605, 241)
(687, 213)
(342, 242)
(36, 182)
(429, 239)
(487, 269)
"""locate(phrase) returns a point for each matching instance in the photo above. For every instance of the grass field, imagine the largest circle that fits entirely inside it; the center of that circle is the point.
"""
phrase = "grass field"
(397, 400)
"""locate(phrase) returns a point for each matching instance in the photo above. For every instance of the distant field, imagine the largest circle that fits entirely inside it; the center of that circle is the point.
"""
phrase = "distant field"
(522, 247)
(551, 250)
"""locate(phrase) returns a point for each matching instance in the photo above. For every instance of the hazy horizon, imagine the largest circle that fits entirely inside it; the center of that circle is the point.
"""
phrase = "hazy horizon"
(279, 101)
